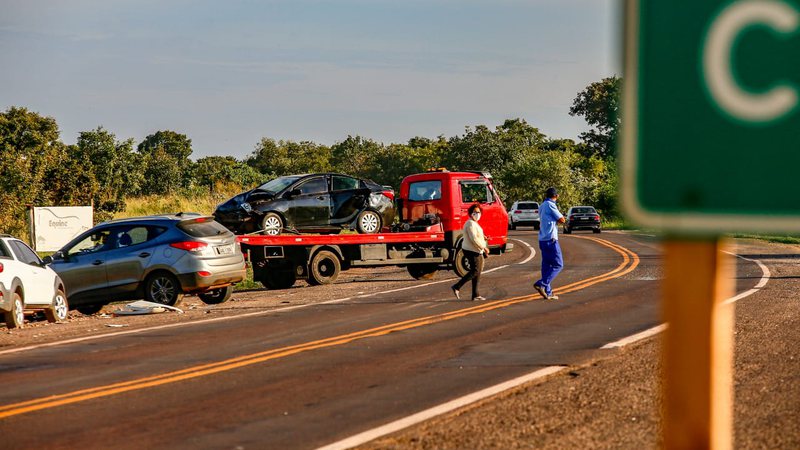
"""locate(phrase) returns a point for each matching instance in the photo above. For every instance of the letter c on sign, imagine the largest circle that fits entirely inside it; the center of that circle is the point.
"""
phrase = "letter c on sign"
(725, 91)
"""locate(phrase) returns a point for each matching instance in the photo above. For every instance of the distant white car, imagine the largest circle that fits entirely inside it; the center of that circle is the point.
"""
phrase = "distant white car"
(28, 284)
(523, 213)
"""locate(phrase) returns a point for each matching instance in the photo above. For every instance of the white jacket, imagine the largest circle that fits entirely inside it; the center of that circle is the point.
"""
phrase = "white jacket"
(474, 240)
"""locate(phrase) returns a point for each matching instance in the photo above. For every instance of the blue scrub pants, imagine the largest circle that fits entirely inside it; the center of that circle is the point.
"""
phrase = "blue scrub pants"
(552, 263)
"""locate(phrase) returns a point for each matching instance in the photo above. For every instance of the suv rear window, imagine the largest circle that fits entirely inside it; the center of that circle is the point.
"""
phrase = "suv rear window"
(528, 206)
(202, 227)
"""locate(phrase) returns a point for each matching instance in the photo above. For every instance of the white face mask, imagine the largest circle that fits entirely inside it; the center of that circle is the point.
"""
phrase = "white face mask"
(476, 216)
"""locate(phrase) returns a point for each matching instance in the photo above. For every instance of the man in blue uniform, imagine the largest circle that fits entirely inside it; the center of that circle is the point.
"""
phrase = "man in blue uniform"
(552, 261)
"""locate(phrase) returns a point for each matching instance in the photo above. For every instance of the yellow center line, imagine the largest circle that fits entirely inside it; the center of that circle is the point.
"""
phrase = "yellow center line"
(629, 262)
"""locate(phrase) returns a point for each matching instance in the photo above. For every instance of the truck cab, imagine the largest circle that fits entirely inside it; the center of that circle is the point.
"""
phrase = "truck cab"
(444, 196)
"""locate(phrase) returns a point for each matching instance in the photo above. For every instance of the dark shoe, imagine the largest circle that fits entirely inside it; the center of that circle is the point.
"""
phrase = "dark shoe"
(541, 291)
(456, 293)
(478, 299)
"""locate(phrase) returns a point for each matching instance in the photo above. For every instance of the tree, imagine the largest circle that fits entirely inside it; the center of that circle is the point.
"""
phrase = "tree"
(225, 174)
(599, 105)
(117, 169)
(483, 149)
(288, 157)
(355, 156)
(29, 149)
(165, 158)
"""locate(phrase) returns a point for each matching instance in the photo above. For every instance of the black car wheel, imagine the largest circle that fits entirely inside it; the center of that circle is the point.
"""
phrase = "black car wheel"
(162, 287)
(369, 222)
(596, 230)
(567, 230)
(15, 318)
(272, 224)
(325, 268)
(216, 296)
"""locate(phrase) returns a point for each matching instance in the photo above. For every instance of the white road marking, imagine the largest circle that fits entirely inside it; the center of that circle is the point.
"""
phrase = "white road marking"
(530, 257)
(452, 405)
(765, 275)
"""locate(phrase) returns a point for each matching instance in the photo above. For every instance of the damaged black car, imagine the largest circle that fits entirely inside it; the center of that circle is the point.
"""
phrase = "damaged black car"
(310, 203)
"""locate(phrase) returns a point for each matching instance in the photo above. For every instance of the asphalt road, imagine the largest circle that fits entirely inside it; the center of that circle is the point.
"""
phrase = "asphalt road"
(356, 355)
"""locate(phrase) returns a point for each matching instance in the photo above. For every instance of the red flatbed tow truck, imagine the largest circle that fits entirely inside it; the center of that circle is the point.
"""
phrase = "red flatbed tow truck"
(433, 208)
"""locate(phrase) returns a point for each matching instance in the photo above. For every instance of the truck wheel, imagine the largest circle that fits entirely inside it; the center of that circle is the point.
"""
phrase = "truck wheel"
(423, 271)
(277, 279)
(162, 287)
(461, 263)
(216, 296)
(57, 312)
(15, 318)
(324, 268)
(272, 224)
(368, 222)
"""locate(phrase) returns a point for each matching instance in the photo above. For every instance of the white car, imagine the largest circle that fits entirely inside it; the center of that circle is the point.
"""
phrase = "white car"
(523, 213)
(28, 284)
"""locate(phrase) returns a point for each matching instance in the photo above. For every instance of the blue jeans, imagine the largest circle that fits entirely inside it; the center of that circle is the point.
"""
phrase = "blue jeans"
(552, 263)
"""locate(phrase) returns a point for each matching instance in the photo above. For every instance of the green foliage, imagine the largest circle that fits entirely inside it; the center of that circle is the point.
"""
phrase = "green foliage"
(355, 156)
(222, 173)
(165, 159)
(599, 105)
(29, 151)
(288, 157)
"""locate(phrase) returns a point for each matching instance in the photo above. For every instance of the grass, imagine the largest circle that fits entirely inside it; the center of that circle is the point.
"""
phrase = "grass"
(158, 204)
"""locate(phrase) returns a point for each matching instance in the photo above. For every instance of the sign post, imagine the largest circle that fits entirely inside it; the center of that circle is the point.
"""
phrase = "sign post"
(711, 109)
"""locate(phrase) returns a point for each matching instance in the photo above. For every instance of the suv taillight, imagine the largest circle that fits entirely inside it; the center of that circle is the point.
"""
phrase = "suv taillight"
(388, 194)
(517, 212)
(596, 217)
(1, 268)
(190, 246)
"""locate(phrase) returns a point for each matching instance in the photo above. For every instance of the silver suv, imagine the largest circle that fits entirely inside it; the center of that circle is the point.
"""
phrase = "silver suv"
(158, 258)
(523, 213)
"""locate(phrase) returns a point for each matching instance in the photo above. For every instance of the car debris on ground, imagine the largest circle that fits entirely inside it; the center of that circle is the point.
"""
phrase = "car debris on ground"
(142, 307)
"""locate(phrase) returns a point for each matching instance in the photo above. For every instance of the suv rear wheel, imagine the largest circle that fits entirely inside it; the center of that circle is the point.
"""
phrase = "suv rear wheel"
(15, 318)
(162, 287)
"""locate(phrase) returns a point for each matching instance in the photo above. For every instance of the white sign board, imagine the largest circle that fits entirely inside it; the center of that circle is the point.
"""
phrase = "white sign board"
(54, 226)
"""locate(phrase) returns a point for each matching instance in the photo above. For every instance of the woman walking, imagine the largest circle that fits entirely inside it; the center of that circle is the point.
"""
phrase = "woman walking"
(474, 246)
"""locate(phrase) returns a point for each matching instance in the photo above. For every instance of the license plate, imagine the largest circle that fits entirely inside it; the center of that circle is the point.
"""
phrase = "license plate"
(225, 250)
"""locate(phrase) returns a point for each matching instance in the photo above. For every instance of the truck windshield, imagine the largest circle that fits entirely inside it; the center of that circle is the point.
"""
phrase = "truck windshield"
(278, 184)
(425, 190)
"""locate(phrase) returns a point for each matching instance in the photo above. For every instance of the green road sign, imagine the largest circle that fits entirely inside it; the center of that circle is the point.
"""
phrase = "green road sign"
(711, 115)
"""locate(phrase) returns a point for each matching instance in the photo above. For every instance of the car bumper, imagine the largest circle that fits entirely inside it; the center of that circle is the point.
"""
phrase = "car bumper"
(584, 226)
(194, 282)
(525, 221)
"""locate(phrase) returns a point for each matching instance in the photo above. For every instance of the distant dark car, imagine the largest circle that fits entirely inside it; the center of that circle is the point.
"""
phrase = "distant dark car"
(158, 258)
(582, 218)
(319, 202)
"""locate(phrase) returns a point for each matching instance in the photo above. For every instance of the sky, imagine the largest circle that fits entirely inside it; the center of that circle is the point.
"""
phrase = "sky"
(228, 73)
